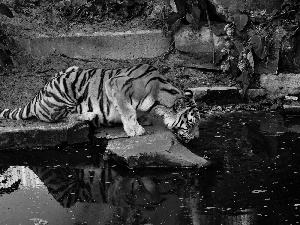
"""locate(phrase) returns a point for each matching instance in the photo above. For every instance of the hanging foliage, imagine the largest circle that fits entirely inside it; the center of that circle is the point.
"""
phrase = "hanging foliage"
(187, 12)
(94, 10)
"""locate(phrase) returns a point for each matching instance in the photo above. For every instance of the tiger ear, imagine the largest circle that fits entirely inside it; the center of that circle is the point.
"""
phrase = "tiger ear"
(189, 94)
(179, 105)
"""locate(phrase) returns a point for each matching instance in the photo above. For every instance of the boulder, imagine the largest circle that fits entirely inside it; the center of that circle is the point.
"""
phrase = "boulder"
(198, 43)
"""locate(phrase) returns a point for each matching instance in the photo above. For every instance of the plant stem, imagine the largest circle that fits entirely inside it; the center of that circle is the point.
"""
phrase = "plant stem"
(211, 36)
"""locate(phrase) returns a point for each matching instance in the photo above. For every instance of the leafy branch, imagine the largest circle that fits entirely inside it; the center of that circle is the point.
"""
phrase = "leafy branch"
(237, 55)
(249, 42)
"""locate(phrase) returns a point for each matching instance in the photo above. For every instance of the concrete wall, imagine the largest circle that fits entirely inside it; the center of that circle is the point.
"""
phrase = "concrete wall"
(109, 45)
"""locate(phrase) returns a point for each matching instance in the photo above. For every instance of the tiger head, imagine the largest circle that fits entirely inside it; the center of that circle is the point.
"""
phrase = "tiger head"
(186, 126)
(183, 117)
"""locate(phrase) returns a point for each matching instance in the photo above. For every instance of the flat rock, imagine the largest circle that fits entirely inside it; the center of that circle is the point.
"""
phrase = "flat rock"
(34, 133)
(158, 148)
(280, 85)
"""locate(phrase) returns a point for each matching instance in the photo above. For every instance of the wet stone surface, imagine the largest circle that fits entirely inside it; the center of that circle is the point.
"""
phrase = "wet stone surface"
(158, 148)
(33, 133)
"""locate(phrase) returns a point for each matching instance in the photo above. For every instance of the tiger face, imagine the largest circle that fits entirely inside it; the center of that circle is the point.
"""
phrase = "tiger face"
(186, 126)
(183, 117)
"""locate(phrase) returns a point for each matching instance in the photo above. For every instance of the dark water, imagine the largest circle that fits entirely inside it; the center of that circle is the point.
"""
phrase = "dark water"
(255, 180)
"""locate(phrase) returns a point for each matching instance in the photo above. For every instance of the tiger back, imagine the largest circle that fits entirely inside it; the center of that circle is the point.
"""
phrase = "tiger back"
(105, 97)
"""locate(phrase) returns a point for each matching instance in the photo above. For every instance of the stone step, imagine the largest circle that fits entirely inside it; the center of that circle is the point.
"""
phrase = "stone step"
(103, 45)
(217, 95)
(293, 107)
(225, 95)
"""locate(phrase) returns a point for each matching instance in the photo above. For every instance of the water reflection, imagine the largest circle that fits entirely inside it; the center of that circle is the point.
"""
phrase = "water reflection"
(104, 195)
(98, 195)
(255, 180)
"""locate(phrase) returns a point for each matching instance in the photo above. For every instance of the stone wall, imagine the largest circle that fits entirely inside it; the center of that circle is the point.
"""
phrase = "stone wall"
(238, 5)
(225, 7)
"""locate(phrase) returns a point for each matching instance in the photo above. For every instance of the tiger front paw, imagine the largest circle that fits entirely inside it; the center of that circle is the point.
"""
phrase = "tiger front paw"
(134, 131)
(139, 130)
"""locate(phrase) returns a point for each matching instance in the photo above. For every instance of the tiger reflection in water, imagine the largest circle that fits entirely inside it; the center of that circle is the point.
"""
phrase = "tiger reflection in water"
(69, 185)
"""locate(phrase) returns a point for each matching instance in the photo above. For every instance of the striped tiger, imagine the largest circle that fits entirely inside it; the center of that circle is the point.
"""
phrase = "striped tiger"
(111, 96)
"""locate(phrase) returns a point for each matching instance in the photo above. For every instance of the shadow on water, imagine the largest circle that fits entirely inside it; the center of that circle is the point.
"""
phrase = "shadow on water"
(254, 180)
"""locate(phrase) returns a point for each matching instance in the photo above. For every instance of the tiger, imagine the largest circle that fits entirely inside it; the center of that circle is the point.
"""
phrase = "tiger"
(109, 96)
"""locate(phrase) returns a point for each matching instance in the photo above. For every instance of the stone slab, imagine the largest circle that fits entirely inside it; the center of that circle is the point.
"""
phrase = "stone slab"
(292, 108)
(105, 45)
(280, 85)
(33, 133)
(155, 150)
(118, 131)
(201, 92)
(253, 94)
(158, 148)
(217, 95)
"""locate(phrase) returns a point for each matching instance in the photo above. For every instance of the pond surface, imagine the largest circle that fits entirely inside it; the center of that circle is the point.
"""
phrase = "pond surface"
(255, 180)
